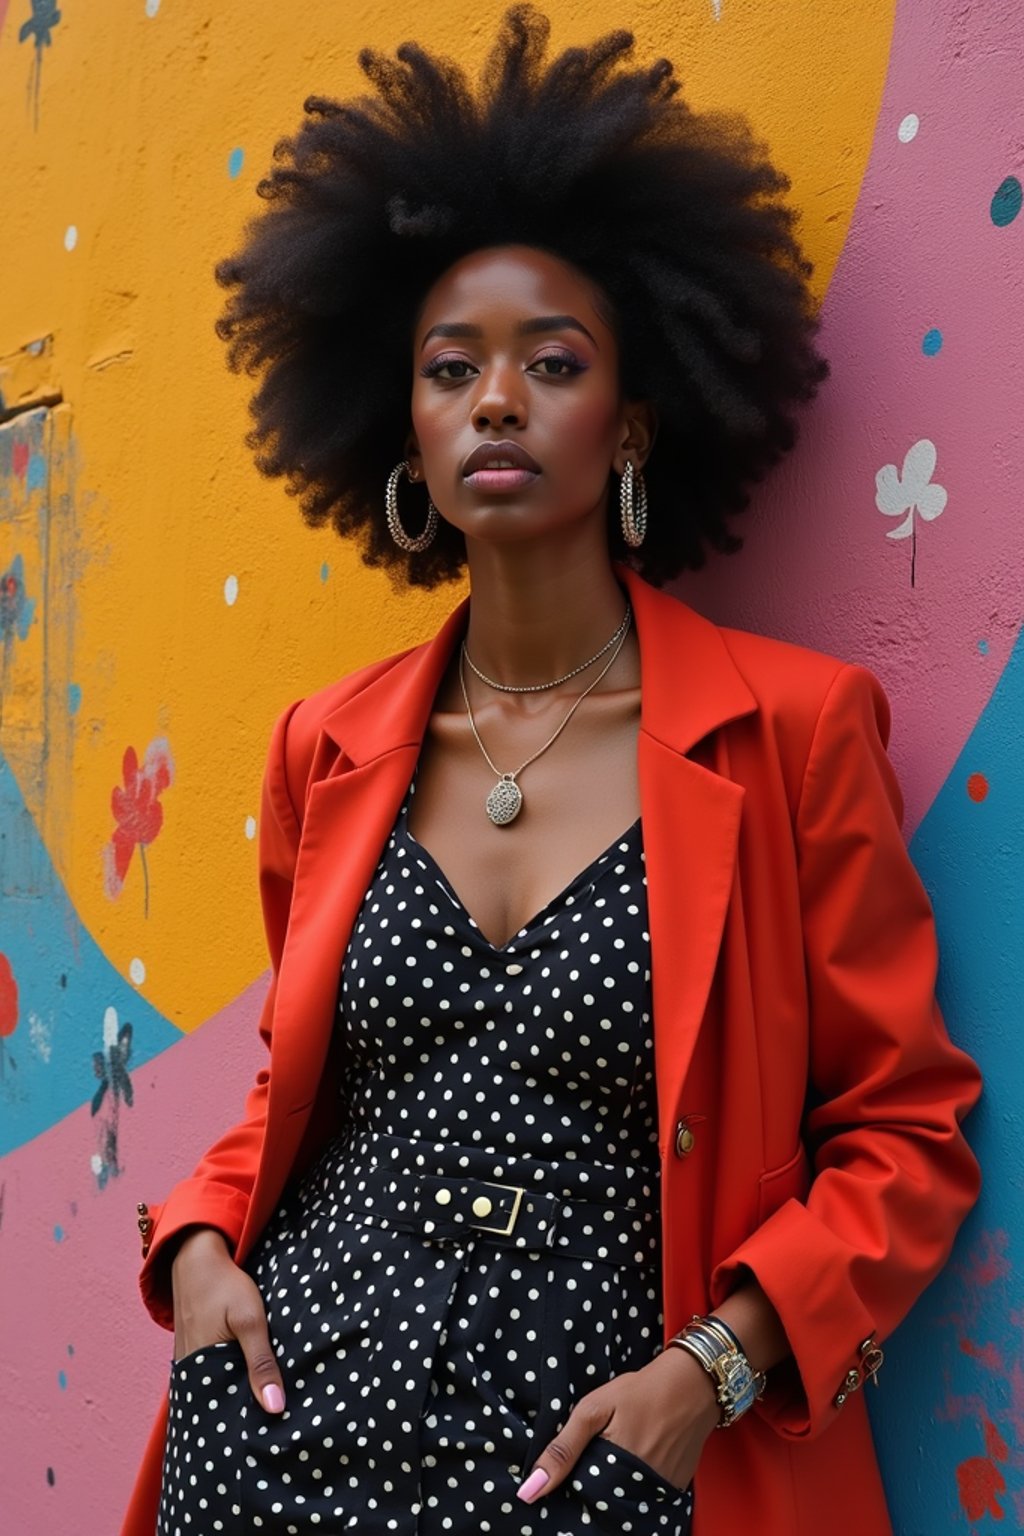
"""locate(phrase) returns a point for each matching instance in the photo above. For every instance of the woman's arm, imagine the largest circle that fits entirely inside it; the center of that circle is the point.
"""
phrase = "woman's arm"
(894, 1176)
(217, 1192)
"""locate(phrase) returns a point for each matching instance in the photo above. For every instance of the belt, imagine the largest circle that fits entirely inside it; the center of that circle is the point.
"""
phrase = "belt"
(459, 1205)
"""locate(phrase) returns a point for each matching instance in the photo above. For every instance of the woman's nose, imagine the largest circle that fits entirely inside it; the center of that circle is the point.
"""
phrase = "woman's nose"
(500, 399)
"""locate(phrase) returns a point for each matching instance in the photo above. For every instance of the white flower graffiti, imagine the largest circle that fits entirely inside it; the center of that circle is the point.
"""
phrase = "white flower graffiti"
(898, 496)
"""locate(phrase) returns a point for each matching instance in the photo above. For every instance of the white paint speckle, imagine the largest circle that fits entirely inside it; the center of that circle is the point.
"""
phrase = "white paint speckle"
(71, 237)
(110, 1027)
(40, 1034)
(231, 591)
(908, 128)
(137, 971)
(96, 1164)
(250, 827)
(152, 6)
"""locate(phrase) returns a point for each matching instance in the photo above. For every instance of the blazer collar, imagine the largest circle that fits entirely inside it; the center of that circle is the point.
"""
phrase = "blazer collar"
(688, 680)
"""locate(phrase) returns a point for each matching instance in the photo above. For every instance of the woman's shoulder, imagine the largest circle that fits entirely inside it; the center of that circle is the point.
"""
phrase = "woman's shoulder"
(783, 676)
(788, 676)
(310, 711)
(297, 749)
(806, 696)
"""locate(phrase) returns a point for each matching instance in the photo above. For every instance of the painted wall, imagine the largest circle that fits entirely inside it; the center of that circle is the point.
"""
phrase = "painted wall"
(159, 604)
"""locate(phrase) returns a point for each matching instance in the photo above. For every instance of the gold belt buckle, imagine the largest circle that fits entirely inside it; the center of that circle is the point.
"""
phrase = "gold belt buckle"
(503, 1231)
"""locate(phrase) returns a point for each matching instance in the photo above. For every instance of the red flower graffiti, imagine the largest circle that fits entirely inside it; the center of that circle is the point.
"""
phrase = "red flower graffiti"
(138, 813)
(8, 1012)
(979, 1480)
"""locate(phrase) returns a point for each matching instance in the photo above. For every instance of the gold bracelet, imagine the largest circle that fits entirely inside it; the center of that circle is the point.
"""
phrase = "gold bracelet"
(737, 1384)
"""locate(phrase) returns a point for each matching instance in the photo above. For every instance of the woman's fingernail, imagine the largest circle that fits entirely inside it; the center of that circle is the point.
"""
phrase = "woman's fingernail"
(273, 1398)
(533, 1485)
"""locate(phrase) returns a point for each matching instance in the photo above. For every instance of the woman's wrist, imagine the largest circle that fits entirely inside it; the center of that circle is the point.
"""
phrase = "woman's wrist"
(201, 1241)
(693, 1388)
(749, 1315)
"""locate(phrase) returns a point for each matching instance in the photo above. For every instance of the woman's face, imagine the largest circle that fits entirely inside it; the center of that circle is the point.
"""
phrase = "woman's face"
(510, 349)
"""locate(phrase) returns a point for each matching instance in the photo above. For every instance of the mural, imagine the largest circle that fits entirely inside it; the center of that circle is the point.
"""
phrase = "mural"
(159, 605)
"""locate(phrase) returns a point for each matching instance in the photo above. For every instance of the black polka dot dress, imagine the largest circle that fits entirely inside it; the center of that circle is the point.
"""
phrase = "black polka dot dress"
(476, 1250)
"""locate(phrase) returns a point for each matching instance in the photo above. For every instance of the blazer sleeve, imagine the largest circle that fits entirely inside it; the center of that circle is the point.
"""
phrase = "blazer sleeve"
(217, 1192)
(893, 1176)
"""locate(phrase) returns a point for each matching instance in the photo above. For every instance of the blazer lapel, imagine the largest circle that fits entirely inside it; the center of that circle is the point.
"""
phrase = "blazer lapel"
(348, 815)
(690, 686)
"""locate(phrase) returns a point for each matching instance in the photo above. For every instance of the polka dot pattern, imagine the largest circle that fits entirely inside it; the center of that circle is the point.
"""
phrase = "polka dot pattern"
(477, 1248)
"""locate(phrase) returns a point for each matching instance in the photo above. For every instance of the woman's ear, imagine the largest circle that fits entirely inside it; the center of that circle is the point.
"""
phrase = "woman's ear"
(639, 429)
(413, 457)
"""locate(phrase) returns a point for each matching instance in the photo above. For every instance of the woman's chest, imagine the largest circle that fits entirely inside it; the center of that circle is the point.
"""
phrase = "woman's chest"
(578, 797)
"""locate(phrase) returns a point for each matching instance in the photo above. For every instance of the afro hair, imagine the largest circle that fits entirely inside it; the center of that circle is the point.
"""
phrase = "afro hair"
(675, 215)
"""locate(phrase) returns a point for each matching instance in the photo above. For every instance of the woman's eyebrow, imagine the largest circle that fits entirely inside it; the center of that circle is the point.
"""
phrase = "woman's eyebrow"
(452, 329)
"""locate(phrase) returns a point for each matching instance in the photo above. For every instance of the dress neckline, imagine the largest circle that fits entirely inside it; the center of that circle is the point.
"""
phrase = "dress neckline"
(560, 896)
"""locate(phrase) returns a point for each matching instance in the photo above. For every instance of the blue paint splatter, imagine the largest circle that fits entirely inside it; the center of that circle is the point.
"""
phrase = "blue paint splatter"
(36, 472)
(325, 571)
(983, 647)
(58, 1234)
(62, 1380)
(236, 159)
(45, 17)
(932, 342)
(39, 28)
(1006, 202)
(74, 698)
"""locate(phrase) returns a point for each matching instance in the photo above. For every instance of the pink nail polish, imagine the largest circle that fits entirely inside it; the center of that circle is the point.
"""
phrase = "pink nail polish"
(273, 1398)
(533, 1485)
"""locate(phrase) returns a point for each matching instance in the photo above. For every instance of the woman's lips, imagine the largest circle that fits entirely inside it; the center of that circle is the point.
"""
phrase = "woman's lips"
(500, 479)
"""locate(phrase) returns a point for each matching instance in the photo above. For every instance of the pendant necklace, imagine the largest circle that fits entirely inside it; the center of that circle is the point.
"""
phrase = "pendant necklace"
(505, 800)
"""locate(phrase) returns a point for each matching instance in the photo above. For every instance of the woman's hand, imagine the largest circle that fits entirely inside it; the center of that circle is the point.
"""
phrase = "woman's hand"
(663, 1413)
(215, 1301)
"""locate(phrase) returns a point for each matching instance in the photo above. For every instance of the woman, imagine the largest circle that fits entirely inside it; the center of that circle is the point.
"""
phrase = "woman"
(639, 1052)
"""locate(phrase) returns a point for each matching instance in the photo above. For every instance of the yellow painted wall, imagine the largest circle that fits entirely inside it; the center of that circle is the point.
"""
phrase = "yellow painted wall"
(129, 139)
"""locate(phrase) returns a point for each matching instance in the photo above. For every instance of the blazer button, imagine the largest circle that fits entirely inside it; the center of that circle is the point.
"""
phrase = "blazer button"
(684, 1139)
(145, 1225)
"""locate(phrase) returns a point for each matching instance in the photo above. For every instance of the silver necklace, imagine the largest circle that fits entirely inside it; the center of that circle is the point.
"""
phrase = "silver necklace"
(505, 800)
(539, 687)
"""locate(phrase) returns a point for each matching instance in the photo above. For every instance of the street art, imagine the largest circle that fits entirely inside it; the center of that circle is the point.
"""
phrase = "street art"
(115, 1086)
(912, 492)
(138, 813)
(154, 596)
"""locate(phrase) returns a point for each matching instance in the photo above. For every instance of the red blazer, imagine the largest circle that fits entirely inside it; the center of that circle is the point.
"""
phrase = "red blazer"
(809, 1096)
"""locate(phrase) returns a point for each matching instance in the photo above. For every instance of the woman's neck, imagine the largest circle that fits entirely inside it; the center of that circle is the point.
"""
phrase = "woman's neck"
(531, 620)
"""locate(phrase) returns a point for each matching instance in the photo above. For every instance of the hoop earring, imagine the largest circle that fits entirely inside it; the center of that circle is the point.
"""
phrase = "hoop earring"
(398, 533)
(633, 504)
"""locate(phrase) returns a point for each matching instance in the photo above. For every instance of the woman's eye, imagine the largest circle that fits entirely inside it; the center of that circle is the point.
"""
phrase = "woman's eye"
(561, 365)
(434, 369)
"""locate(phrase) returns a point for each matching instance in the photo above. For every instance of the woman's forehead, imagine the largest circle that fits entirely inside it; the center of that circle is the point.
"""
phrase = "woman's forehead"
(498, 283)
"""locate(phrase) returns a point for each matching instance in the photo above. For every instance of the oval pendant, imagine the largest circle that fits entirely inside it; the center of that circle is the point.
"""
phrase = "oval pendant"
(505, 801)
